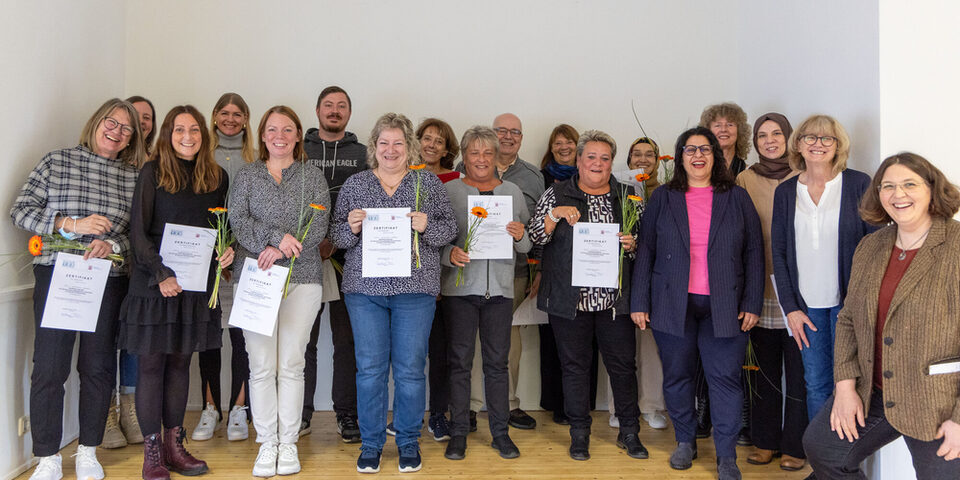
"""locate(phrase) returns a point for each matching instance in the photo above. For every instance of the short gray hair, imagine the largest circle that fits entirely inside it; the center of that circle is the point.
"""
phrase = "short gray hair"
(596, 136)
(482, 134)
(400, 122)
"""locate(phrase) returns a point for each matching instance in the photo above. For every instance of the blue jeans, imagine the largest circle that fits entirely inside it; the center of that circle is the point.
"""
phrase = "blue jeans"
(818, 358)
(390, 331)
(128, 372)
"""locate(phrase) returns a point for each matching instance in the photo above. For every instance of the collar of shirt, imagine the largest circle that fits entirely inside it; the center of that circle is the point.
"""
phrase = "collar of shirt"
(503, 170)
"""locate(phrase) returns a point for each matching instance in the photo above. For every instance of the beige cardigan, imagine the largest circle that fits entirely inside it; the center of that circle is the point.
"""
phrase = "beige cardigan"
(922, 327)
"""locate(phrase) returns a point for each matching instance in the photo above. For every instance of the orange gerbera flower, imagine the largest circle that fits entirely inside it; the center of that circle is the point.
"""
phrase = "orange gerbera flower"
(317, 206)
(532, 261)
(666, 157)
(420, 166)
(479, 212)
(634, 198)
(217, 210)
(35, 245)
(641, 177)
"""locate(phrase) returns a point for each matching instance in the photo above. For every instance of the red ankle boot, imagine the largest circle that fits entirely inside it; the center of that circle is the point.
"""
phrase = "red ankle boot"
(153, 468)
(177, 458)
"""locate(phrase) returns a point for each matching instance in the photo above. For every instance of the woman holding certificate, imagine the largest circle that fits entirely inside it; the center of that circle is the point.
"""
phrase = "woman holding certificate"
(272, 202)
(698, 283)
(392, 220)
(165, 318)
(477, 286)
(583, 293)
(60, 197)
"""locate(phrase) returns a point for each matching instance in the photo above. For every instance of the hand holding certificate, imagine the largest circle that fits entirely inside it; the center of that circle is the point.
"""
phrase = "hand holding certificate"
(386, 243)
(257, 299)
(75, 293)
(188, 251)
(491, 241)
(596, 249)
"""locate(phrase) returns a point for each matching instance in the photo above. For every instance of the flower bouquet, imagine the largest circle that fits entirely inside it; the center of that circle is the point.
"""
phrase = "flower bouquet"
(224, 240)
(300, 237)
(479, 214)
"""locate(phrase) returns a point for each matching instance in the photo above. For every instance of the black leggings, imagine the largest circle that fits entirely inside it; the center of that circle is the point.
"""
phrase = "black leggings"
(210, 366)
(162, 390)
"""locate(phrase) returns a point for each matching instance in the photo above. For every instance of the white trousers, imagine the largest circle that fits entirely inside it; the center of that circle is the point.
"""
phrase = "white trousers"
(276, 366)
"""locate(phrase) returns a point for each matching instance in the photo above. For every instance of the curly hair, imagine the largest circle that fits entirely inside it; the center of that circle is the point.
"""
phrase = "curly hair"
(944, 196)
(400, 122)
(732, 112)
(596, 136)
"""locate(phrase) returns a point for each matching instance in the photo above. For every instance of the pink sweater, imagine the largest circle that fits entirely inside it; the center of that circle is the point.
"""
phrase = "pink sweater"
(699, 207)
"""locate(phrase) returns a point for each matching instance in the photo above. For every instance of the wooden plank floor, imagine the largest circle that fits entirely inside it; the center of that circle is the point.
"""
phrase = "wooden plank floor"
(543, 456)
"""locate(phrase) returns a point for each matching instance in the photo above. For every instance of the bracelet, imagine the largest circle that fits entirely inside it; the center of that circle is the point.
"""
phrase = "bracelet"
(550, 214)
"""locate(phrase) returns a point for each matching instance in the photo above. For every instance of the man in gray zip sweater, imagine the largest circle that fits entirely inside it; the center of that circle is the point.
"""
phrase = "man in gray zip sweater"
(339, 155)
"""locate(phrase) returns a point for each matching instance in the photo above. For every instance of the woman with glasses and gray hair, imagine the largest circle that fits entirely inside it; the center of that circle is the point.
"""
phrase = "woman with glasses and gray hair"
(815, 231)
(578, 314)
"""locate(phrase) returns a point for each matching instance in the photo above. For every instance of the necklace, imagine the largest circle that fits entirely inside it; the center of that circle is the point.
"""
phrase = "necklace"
(903, 251)
(386, 185)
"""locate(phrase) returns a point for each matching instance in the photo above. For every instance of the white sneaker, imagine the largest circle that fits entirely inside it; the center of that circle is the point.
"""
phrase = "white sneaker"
(289, 461)
(49, 468)
(266, 464)
(88, 468)
(237, 424)
(614, 421)
(207, 425)
(656, 420)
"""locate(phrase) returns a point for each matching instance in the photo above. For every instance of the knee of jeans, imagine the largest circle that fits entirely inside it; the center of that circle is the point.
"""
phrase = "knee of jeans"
(262, 373)
(811, 445)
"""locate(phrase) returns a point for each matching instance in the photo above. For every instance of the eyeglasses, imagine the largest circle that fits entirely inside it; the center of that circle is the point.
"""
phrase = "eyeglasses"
(502, 132)
(691, 150)
(111, 124)
(825, 140)
(908, 187)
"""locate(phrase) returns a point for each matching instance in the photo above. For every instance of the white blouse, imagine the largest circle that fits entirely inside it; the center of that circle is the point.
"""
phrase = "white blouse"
(817, 229)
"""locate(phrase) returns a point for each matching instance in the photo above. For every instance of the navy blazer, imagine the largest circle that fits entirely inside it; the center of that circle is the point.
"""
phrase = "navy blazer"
(783, 236)
(735, 263)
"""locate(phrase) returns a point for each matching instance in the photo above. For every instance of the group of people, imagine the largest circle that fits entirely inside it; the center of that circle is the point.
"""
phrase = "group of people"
(733, 278)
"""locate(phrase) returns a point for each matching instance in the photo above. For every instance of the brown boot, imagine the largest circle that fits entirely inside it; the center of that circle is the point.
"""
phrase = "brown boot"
(762, 456)
(153, 468)
(792, 464)
(177, 458)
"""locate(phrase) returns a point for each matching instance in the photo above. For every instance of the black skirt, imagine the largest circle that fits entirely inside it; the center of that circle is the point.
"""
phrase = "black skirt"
(180, 324)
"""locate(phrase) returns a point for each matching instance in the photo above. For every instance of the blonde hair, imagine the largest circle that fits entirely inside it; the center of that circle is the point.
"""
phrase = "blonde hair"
(233, 99)
(134, 153)
(820, 125)
(400, 122)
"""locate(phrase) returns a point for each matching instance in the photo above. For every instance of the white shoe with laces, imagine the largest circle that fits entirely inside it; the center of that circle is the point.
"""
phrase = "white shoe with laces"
(266, 464)
(49, 468)
(237, 428)
(614, 421)
(88, 468)
(656, 420)
(207, 425)
(288, 462)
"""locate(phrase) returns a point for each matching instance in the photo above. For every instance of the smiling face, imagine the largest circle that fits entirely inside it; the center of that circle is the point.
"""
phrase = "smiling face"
(507, 127)
(113, 133)
(391, 152)
(478, 161)
(230, 120)
(698, 165)
(564, 150)
(643, 156)
(908, 202)
(280, 135)
(725, 131)
(817, 154)
(145, 114)
(186, 136)
(334, 112)
(594, 164)
(770, 140)
(433, 146)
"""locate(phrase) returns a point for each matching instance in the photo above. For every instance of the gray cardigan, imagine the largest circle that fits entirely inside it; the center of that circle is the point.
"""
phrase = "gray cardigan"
(482, 277)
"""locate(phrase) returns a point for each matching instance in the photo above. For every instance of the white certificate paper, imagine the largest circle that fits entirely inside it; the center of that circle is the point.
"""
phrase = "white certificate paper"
(492, 240)
(596, 255)
(257, 298)
(76, 290)
(386, 243)
(188, 251)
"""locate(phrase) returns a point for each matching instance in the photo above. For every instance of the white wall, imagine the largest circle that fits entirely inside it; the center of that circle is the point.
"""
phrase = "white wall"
(61, 60)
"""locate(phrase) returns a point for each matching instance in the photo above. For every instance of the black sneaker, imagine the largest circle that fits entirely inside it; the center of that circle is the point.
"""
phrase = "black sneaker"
(439, 426)
(580, 447)
(305, 427)
(505, 447)
(348, 428)
(390, 430)
(369, 460)
(631, 443)
(473, 421)
(743, 439)
(409, 457)
(520, 419)
(456, 448)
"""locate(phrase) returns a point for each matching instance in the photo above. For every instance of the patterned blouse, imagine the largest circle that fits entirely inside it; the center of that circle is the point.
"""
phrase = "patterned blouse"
(75, 182)
(363, 190)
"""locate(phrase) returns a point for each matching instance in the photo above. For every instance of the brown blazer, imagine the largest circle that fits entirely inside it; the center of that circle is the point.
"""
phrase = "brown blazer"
(923, 327)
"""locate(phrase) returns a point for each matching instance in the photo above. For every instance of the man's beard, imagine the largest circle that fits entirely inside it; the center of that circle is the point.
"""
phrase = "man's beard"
(333, 129)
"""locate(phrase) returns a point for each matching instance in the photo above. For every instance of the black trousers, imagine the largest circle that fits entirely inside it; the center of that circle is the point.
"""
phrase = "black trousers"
(617, 341)
(439, 369)
(210, 365)
(493, 318)
(551, 376)
(833, 458)
(52, 358)
(344, 391)
(777, 353)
